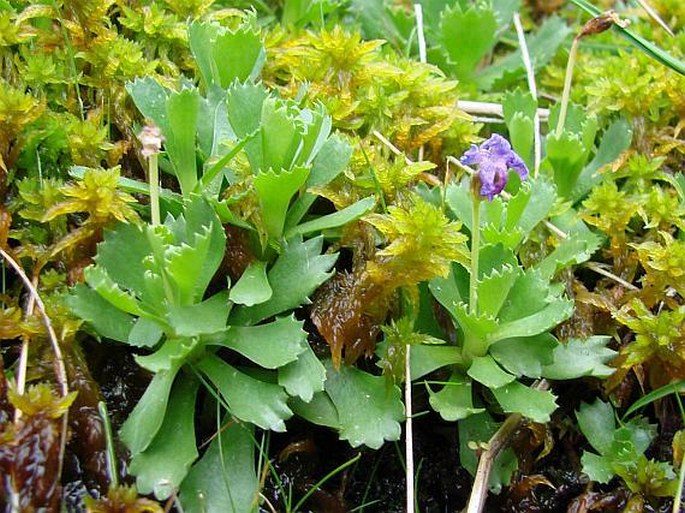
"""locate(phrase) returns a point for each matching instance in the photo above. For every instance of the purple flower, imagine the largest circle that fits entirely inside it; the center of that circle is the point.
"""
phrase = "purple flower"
(494, 158)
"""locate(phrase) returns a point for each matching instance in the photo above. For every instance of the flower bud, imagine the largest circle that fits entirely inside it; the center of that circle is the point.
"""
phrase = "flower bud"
(151, 139)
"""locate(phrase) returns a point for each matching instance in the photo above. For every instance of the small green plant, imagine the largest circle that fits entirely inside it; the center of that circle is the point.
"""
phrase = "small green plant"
(620, 452)
(148, 289)
(503, 312)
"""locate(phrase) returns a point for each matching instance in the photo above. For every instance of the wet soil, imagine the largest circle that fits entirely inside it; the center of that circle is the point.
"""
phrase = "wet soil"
(375, 483)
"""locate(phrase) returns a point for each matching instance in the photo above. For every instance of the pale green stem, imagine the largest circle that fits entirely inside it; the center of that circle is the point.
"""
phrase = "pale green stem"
(109, 444)
(567, 85)
(154, 189)
(678, 500)
(475, 248)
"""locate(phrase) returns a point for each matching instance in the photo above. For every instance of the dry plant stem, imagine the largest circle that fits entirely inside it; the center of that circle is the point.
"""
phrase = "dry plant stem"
(556, 230)
(487, 458)
(532, 87)
(497, 443)
(655, 16)
(418, 12)
(409, 433)
(593, 266)
(391, 146)
(565, 96)
(491, 109)
(487, 121)
(267, 502)
(24, 354)
(60, 369)
(409, 422)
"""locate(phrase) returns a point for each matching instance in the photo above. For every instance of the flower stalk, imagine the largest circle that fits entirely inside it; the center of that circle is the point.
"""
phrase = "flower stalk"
(596, 25)
(151, 139)
(475, 250)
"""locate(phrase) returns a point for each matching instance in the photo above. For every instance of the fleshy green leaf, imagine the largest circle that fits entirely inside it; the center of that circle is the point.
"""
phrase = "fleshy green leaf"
(494, 288)
(296, 274)
(544, 320)
(303, 377)
(575, 249)
(453, 290)
(225, 479)
(244, 105)
(122, 254)
(100, 281)
(320, 410)
(192, 265)
(252, 288)
(467, 34)
(597, 468)
(567, 155)
(144, 422)
(107, 320)
(485, 370)
(204, 318)
(188, 266)
(537, 405)
(522, 136)
(576, 358)
(275, 190)
(334, 220)
(145, 333)
(458, 199)
(494, 258)
(161, 468)
(528, 295)
(454, 401)
(182, 116)
(150, 97)
(271, 345)
(480, 326)
(527, 209)
(172, 354)
(518, 102)
(214, 131)
(616, 140)
(329, 163)
(223, 55)
(369, 411)
(425, 359)
(525, 356)
(519, 111)
(281, 136)
(249, 399)
(597, 422)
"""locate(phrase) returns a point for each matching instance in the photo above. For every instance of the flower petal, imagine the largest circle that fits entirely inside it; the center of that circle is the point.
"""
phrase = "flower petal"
(493, 178)
(517, 164)
(472, 156)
